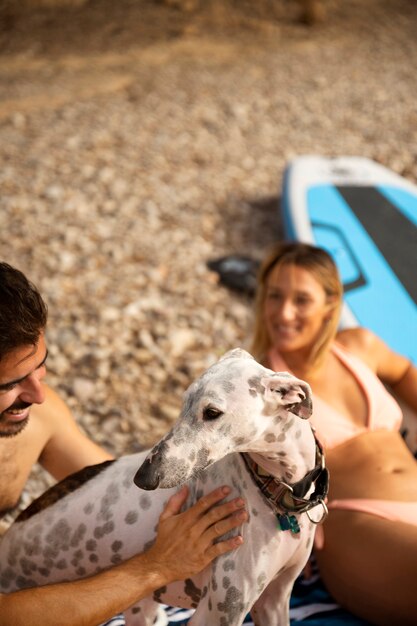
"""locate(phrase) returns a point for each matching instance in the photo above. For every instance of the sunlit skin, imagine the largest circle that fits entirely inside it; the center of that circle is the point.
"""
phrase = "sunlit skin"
(296, 307)
(372, 574)
(37, 426)
(21, 374)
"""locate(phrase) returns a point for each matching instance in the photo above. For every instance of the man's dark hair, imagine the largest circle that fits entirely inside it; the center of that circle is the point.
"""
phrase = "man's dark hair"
(23, 313)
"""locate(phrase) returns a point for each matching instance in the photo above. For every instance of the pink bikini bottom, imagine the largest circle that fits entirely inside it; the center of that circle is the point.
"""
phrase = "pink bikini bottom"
(392, 510)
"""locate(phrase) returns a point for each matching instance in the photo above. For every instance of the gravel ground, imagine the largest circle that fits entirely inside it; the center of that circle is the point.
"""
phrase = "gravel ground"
(138, 141)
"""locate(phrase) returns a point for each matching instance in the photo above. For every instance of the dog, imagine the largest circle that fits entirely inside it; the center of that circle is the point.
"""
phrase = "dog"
(240, 424)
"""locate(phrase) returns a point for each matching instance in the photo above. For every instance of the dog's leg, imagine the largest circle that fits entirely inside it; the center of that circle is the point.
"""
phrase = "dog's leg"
(272, 607)
(227, 595)
(144, 613)
(231, 609)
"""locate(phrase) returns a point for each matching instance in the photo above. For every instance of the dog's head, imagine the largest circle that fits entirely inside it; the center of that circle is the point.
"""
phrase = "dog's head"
(237, 405)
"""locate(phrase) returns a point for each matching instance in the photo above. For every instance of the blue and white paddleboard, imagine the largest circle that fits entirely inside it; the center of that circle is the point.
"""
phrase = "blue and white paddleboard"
(365, 216)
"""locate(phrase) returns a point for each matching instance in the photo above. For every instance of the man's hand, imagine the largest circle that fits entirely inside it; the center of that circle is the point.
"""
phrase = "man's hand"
(184, 546)
(185, 541)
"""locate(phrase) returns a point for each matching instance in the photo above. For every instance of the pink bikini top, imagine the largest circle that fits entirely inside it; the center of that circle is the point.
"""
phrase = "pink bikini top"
(334, 428)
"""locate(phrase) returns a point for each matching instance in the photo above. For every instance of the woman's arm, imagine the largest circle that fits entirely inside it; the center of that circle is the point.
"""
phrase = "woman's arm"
(406, 387)
(183, 546)
(392, 368)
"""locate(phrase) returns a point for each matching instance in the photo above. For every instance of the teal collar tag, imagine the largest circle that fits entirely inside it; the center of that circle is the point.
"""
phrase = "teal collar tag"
(288, 522)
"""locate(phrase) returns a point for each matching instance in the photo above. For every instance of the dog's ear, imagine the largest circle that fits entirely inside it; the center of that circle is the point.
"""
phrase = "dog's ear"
(236, 353)
(285, 391)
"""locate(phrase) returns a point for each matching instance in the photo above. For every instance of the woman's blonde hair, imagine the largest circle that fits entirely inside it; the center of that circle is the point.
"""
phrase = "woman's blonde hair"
(322, 267)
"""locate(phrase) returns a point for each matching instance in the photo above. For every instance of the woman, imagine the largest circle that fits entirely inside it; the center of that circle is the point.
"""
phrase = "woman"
(368, 560)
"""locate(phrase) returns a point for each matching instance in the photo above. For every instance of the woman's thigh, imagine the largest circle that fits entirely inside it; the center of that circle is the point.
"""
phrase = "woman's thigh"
(369, 565)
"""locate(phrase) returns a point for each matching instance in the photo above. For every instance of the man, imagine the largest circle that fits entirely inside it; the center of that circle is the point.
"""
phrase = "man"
(47, 433)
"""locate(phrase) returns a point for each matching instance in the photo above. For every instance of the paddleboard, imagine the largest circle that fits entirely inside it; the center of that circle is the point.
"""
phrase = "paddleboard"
(365, 216)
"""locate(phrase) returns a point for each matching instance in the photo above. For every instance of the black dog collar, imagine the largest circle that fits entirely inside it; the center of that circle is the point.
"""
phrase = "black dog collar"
(289, 499)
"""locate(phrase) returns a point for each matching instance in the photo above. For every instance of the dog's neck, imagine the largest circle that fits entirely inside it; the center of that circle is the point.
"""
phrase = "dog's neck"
(290, 460)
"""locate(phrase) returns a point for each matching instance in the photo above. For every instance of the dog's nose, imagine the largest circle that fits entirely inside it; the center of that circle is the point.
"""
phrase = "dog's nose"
(147, 477)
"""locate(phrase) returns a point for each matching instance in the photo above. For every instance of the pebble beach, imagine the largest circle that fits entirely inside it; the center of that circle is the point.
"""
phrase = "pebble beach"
(140, 140)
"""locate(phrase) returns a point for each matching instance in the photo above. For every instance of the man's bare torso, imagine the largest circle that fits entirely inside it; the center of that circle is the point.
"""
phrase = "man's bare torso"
(17, 456)
(51, 437)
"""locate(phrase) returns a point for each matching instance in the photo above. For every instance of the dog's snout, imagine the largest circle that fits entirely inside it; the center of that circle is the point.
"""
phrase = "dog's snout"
(147, 477)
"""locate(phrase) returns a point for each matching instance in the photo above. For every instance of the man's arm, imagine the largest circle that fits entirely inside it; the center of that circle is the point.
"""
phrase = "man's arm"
(183, 547)
(67, 448)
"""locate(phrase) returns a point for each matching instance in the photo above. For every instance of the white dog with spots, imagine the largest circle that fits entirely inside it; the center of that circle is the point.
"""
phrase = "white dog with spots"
(241, 424)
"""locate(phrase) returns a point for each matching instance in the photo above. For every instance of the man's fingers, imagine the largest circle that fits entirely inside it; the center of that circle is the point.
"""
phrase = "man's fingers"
(206, 502)
(196, 534)
(174, 504)
(225, 525)
(193, 514)
(207, 518)
(218, 513)
(224, 546)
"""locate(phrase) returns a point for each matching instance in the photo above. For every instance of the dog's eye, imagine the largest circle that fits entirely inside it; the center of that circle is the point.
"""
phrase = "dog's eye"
(210, 413)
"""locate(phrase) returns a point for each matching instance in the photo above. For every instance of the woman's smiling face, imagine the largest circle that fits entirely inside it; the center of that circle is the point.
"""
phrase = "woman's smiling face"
(296, 308)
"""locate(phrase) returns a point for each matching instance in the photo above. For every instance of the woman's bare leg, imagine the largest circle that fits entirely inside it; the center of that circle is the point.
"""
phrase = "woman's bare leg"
(369, 565)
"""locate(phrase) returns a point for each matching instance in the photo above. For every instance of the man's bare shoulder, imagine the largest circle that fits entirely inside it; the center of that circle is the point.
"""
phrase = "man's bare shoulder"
(67, 448)
(45, 414)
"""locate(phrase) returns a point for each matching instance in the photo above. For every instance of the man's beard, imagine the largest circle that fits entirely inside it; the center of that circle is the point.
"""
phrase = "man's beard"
(9, 428)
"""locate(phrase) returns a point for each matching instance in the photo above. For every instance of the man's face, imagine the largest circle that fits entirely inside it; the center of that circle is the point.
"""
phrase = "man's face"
(21, 374)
